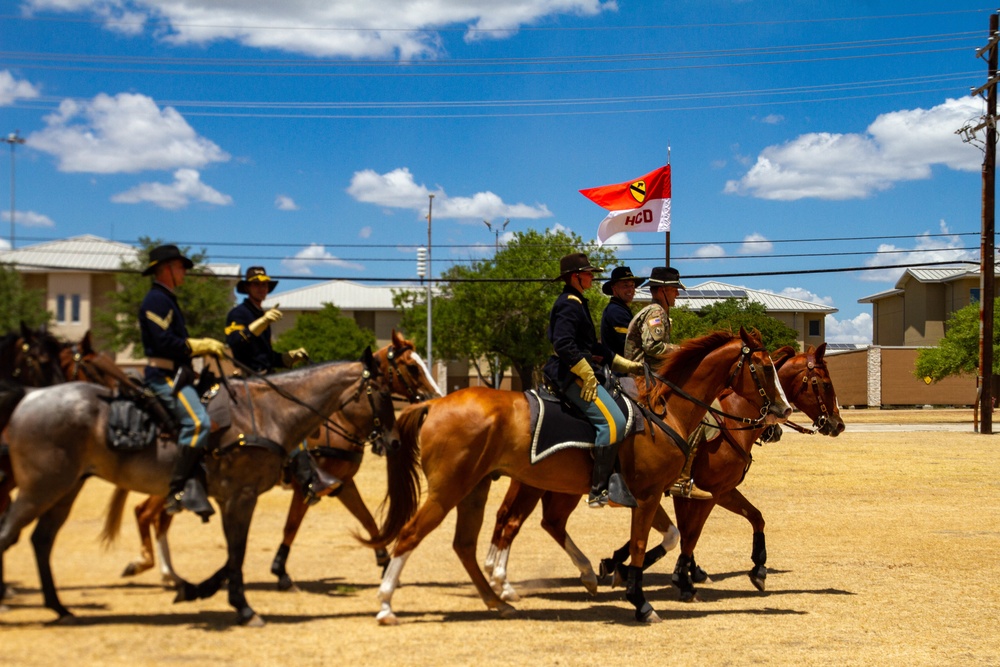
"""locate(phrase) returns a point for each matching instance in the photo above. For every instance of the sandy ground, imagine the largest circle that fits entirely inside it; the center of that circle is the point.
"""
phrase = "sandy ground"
(882, 549)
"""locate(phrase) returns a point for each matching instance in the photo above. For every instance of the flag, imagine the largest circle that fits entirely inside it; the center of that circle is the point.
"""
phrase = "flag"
(640, 205)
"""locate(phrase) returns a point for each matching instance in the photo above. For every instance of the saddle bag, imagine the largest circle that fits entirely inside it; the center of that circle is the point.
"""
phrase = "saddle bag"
(130, 428)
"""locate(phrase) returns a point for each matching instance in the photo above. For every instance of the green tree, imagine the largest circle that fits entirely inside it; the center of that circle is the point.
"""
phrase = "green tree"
(730, 315)
(327, 335)
(497, 310)
(19, 303)
(204, 299)
(958, 352)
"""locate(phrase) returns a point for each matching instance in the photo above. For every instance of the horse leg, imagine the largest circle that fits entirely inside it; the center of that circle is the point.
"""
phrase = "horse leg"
(556, 508)
(161, 525)
(355, 504)
(736, 502)
(642, 521)
(520, 506)
(145, 560)
(615, 566)
(296, 513)
(236, 524)
(691, 518)
(500, 526)
(469, 521)
(42, 539)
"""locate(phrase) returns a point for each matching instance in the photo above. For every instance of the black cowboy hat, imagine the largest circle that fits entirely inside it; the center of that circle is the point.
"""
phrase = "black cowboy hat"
(576, 262)
(256, 274)
(665, 276)
(165, 253)
(619, 274)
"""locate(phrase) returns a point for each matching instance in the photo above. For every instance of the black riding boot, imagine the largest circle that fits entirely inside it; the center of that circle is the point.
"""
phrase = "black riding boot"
(186, 489)
(606, 484)
(313, 480)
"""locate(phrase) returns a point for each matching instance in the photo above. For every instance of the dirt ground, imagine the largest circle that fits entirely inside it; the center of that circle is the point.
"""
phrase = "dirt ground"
(882, 549)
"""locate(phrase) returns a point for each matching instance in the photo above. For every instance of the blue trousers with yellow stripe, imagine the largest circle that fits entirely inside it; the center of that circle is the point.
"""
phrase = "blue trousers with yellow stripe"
(603, 413)
(191, 415)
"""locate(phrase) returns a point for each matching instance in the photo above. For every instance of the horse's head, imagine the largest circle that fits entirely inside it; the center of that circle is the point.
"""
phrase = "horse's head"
(378, 396)
(35, 358)
(405, 372)
(80, 362)
(753, 373)
(807, 382)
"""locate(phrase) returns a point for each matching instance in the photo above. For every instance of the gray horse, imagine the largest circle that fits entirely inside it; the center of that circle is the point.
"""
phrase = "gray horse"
(57, 438)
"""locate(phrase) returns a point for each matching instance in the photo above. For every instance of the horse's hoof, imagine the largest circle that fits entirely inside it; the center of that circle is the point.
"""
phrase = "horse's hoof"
(590, 582)
(651, 618)
(508, 594)
(757, 577)
(170, 583)
(382, 558)
(690, 596)
(254, 621)
(285, 583)
(130, 570)
(507, 611)
(617, 579)
(699, 576)
(185, 592)
(4, 608)
(66, 619)
(386, 617)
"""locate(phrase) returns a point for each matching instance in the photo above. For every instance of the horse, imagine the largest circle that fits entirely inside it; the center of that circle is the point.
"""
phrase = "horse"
(30, 357)
(404, 374)
(721, 465)
(57, 438)
(471, 435)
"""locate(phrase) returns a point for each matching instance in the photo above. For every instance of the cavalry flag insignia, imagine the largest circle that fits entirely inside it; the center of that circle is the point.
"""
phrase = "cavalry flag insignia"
(638, 191)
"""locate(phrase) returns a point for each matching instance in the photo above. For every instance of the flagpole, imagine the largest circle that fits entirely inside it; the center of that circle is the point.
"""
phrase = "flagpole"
(666, 240)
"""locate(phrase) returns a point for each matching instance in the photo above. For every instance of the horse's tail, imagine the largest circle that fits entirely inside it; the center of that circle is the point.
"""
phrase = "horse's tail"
(113, 517)
(402, 465)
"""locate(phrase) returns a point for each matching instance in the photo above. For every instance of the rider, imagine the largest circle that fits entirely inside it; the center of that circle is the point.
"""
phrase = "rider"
(169, 351)
(618, 313)
(648, 340)
(248, 334)
(574, 369)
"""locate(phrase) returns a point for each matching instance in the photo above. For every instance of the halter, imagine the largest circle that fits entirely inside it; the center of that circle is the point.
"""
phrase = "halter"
(746, 355)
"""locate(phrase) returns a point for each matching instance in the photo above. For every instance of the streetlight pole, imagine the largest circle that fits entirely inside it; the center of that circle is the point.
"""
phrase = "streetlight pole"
(498, 374)
(430, 273)
(13, 139)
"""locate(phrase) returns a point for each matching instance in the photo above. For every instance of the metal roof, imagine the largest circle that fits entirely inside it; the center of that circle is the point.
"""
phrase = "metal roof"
(344, 294)
(86, 253)
(712, 292)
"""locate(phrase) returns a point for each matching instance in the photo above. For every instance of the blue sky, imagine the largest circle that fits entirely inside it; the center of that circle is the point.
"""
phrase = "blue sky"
(307, 135)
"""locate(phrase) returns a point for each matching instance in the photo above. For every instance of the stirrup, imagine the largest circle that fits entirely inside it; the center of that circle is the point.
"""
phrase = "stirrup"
(688, 490)
(597, 500)
(173, 504)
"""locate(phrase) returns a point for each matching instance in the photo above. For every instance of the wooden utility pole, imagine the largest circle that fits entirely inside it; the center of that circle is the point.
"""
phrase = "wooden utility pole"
(987, 249)
(666, 252)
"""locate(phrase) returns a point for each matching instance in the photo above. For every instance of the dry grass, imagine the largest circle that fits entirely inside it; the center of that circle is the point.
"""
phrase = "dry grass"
(882, 550)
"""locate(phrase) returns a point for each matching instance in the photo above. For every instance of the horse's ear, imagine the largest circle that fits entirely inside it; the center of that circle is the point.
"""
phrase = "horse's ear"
(397, 339)
(820, 351)
(745, 336)
(782, 354)
(368, 359)
(86, 345)
(26, 332)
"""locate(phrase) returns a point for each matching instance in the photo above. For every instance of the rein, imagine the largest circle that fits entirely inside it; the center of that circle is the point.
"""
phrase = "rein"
(810, 379)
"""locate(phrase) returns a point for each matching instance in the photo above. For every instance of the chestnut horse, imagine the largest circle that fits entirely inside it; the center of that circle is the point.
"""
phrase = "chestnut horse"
(721, 465)
(404, 374)
(57, 439)
(473, 434)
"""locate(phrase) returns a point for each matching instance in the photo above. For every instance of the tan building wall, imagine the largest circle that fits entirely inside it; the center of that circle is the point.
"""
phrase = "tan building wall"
(882, 377)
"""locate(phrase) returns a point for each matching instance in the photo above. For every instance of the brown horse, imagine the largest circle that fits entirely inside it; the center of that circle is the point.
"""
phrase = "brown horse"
(721, 465)
(57, 438)
(473, 434)
(403, 373)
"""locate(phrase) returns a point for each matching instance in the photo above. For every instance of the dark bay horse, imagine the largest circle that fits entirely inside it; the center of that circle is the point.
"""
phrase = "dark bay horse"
(721, 465)
(57, 438)
(402, 373)
(473, 434)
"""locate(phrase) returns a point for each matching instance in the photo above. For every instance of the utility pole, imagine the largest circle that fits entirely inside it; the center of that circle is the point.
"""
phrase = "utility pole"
(666, 253)
(987, 245)
(497, 373)
(13, 139)
(430, 274)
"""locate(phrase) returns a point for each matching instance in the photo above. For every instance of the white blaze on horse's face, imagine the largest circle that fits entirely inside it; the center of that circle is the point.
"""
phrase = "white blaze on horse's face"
(427, 373)
(777, 383)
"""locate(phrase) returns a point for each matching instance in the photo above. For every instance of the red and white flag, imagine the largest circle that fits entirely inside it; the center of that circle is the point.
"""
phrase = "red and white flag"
(640, 205)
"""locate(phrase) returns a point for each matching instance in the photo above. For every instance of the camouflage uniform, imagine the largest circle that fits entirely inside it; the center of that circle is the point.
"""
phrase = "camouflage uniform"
(648, 335)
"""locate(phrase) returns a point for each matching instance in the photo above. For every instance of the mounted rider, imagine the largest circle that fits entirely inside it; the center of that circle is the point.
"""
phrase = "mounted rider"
(575, 369)
(248, 334)
(618, 313)
(169, 353)
(648, 340)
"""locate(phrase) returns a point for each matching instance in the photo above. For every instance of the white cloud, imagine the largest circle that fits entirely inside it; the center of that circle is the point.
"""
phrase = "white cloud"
(710, 251)
(897, 146)
(330, 28)
(285, 203)
(925, 249)
(126, 133)
(29, 219)
(856, 330)
(316, 256)
(12, 90)
(365, 232)
(754, 244)
(186, 188)
(4, 244)
(397, 189)
(620, 242)
(803, 294)
(773, 119)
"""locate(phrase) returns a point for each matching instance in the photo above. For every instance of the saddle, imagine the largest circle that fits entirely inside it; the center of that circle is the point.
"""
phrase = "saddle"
(557, 424)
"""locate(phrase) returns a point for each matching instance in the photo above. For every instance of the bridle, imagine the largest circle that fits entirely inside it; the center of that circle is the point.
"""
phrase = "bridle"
(396, 373)
(812, 381)
(30, 362)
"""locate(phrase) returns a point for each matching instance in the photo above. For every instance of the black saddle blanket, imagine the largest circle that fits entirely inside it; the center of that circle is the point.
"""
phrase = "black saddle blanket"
(555, 427)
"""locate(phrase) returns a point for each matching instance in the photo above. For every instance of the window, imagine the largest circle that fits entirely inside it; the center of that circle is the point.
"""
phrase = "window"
(73, 301)
(813, 327)
(74, 313)
(60, 308)
(974, 295)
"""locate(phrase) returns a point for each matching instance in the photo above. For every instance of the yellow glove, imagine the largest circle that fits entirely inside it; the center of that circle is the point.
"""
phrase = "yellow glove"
(257, 326)
(298, 354)
(623, 365)
(588, 391)
(201, 346)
